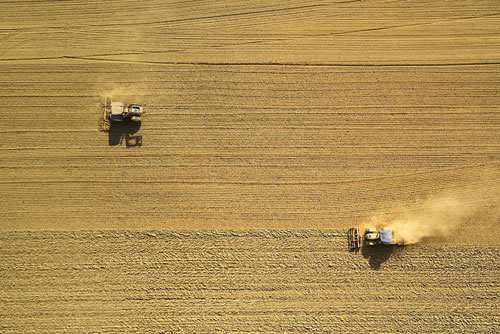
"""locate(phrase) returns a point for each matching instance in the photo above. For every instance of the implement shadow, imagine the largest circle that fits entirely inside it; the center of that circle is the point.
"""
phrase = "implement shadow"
(119, 131)
(379, 254)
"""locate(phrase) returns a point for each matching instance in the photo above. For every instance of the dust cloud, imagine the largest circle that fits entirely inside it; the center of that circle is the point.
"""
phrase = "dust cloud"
(119, 91)
(443, 214)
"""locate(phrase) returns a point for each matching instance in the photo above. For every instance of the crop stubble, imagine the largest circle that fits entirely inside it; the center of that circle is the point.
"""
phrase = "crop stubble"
(241, 147)
(259, 116)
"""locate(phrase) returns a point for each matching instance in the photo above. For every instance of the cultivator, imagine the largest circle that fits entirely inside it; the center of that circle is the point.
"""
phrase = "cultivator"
(353, 238)
(105, 121)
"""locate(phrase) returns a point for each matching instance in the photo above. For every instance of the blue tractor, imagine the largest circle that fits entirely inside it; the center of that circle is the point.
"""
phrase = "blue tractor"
(374, 237)
(120, 112)
(371, 237)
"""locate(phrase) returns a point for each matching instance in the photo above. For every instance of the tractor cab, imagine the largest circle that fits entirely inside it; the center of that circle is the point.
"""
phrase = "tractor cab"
(117, 112)
(371, 235)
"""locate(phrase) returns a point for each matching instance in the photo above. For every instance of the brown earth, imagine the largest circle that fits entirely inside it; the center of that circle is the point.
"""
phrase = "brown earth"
(311, 117)
(260, 281)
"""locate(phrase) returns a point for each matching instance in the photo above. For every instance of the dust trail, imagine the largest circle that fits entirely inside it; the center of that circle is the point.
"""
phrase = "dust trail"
(441, 215)
(119, 91)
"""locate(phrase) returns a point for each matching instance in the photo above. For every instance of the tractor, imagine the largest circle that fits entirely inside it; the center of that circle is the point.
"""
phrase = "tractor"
(120, 112)
(371, 237)
(122, 121)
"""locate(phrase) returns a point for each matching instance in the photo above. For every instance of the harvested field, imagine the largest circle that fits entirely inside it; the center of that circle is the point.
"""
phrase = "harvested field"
(258, 115)
(244, 147)
(286, 122)
(261, 281)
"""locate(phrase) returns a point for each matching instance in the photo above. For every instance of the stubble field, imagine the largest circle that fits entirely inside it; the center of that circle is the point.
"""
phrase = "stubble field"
(269, 130)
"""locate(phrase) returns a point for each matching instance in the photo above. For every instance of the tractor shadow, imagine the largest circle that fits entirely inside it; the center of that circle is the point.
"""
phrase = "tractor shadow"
(379, 254)
(124, 131)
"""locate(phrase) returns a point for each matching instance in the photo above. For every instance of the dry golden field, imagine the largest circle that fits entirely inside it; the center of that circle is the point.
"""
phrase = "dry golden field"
(271, 128)
(261, 281)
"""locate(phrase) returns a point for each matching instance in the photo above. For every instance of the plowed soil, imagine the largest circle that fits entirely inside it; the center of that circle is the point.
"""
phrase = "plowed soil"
(271, 128)
(261, 281)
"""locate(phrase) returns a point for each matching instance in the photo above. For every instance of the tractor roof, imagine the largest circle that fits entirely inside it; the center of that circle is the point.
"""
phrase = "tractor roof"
(117, 108)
